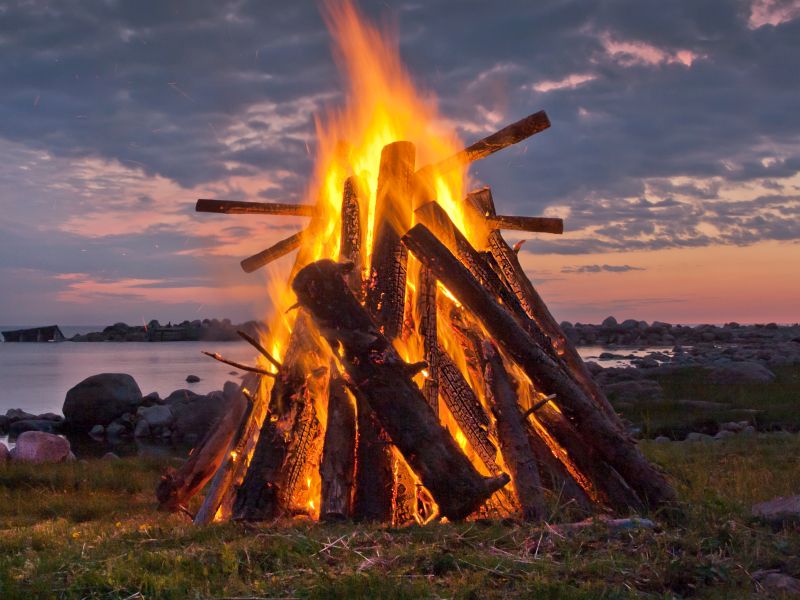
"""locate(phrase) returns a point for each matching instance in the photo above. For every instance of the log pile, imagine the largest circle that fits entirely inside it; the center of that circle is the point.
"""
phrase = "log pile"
(423, 373)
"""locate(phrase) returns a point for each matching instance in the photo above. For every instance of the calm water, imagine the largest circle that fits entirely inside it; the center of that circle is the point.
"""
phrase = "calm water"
(36, 377)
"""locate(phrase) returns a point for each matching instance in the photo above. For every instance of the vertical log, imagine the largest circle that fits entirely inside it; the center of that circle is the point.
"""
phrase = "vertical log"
(222, 488)
(601, 430)
(385, 300)
(352, 239)
(425, 302)
(532, 303)
(338, 454)
(387, 285)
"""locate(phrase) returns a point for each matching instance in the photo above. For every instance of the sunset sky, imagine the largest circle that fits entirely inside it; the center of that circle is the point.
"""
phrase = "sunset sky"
(673, 156)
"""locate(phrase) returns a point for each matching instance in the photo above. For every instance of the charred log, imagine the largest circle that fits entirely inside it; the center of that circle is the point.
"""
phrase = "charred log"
(235, 207)
(272, 253)
(338, 454)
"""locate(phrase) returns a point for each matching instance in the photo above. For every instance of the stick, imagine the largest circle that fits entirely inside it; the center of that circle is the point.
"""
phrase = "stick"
(274, 252)
(531, 224)
(545, 373)
(253, 342)
(217, 356)
(376, 369)
(235, 207)
(508, 136)
(511, 431)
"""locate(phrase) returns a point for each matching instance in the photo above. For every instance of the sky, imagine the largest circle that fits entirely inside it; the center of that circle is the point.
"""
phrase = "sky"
(673, 156)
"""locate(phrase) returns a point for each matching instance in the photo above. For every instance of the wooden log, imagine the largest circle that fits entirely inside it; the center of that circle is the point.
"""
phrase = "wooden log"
(222, 488)
(257, 498)
(374, 486)
(387, 285)
(236, 207)
(533, 304)
(303, 447)
(216, 356)
(339, 452)
(377, 372)
(352, 238)
(508, 136)
(530, 224)
(257, 345)
(513, 437)
(274, 252)
(545, 373)
(467, 410)
(436, 219)
(426, 309)
(177, 487)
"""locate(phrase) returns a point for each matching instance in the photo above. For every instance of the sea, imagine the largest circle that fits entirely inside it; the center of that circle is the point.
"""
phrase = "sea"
(36, 377)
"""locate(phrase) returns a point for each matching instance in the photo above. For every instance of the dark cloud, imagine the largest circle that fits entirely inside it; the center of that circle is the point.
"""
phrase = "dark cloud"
(601, 268)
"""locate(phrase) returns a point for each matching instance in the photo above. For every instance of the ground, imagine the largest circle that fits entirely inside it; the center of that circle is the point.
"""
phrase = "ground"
(91, 531)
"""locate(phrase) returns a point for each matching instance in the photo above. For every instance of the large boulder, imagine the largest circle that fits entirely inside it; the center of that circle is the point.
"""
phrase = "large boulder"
(778, 509)
(40, 447)
(99, 399)
(5, 455)
(194, 415)
(156, 416)
(45, 425)
(741, 372)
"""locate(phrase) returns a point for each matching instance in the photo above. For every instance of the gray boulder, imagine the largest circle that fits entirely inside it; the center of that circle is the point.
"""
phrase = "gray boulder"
(778, 509)
(5, 455)
(100, 399)
(777, 584)
(142, 429)
(642, 390)
(40, 447)
(17, 414)
(192, 379)
(195, 415)
(45, 425)
(741, 372)
(97, 431)
(609, 322)
(698, 437)
(116, 429)
(156, 416)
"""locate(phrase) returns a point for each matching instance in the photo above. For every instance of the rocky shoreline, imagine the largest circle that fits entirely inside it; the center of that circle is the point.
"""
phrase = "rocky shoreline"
(214, 330)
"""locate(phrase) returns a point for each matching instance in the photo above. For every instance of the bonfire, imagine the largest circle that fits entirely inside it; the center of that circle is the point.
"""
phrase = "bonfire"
(411, 371)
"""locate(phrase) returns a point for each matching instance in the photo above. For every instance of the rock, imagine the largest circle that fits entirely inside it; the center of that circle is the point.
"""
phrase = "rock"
(698, 437)
(5, 455)
(593, 368)
(17, 414)
(741, 372)
(142, 429)
(609, 323)
(40, 447)
(774, 582)
(151, 399)
(662, 439)
(195, 415)
(643, 390)
(116, 429)
(45, 425)
(628, 324)
(778, 509)
(48, 416)
(749, 430)
(722, 434)
(110, 456)
(192, 379)
(100, 399)
(703, 404)
(97, 431)
(733, 426)
(180, 396)
(156, 416)
(230, 389)
(71, 457)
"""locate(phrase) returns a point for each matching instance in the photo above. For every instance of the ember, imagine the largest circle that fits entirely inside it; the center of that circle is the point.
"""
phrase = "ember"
(419, 347)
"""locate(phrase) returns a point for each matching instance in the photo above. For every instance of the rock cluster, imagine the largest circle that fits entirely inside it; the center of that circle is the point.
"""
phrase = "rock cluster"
(205, 330)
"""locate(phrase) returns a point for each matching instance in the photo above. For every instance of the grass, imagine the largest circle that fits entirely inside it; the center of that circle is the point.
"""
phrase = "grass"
(767, 406)
(91, 531)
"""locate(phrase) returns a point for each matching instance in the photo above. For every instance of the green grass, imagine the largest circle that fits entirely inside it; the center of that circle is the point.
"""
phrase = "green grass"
(92, 531)
(767, 406)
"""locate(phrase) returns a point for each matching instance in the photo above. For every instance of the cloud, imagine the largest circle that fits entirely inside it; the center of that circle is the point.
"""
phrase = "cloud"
(601, 268)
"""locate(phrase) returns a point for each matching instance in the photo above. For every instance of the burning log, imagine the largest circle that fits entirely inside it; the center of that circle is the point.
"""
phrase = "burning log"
(425, 309)
(374, 489)
(511, 431)
(508, 136)
(352, 233)
(467, 410)
(376, 370)
(222, 488)
(544, 372)
(176, 488)
(235, 207)
(387, 286)
(339, 452)
(302, 447)
(532, 303)
(274, 252)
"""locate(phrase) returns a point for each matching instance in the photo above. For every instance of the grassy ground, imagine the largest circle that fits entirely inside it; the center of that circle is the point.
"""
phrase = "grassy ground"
(767, 407)
(91, 531)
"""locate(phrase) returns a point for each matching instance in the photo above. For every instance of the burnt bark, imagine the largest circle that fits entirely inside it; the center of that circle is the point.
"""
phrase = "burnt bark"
(274, 252)
(426, 322)
(530, 224)
(513, 437)
(544, 372)
(236, 207)
(375, 369)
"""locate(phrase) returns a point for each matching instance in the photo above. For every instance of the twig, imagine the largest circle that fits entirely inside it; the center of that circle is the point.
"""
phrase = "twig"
(253, 342)
(537, 406)
(216, 356)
